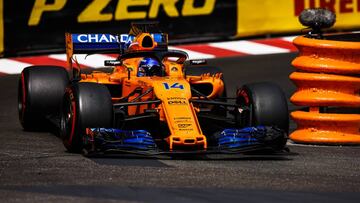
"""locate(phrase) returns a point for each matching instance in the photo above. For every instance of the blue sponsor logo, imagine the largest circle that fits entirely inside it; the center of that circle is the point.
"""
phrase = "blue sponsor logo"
(167, 86)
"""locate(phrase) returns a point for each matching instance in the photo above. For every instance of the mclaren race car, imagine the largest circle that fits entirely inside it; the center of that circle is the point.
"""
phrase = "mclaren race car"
(153, 101)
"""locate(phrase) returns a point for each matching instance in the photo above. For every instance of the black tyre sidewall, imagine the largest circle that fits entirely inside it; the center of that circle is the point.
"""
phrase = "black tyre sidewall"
(40, 93)
(96, 109)
(72, 133)
(268, 106)
(92, 106)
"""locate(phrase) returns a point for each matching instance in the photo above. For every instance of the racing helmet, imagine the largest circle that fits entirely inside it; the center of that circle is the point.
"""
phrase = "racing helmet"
(149, 67)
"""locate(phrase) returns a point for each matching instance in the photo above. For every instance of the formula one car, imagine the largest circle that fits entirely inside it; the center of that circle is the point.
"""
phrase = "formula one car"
(154, 101)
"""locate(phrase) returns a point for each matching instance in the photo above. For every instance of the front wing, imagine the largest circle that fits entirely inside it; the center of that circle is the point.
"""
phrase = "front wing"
(250, 141)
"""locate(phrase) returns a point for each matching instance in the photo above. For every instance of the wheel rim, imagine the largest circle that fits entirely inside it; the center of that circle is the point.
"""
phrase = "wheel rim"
(243, 99)
(68, 119)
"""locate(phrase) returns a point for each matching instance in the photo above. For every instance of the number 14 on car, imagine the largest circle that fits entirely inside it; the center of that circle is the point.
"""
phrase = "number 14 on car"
(173, 86)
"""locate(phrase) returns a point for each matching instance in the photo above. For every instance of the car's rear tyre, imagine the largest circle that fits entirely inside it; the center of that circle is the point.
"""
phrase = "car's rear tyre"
(40, 93)
(268, 107)
(85, 105)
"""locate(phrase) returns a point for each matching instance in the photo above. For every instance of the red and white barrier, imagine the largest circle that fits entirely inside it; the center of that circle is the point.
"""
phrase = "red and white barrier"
(195, 51)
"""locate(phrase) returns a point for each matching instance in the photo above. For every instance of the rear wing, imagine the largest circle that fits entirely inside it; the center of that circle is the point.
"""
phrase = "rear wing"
(87, 43)
(109, 43)
(104, 43)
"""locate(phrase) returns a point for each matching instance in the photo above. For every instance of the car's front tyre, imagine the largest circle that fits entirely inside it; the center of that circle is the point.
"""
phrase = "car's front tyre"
(267, 107)
(85, 105)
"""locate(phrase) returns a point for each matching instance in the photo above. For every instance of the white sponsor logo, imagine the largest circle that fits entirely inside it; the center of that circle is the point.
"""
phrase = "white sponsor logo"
(97, 38)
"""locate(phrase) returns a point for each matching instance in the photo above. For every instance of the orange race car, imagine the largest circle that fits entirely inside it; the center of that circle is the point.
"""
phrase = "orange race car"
(154, 101)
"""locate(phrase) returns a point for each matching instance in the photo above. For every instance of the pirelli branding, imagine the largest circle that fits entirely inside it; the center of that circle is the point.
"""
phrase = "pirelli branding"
(336, 6)
(39, 25)
(281, 16)
(42, 23)
(98, 10)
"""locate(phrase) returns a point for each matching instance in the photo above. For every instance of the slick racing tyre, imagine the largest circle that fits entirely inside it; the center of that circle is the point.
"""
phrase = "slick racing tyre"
(199, 70)
(85, 105)
(267, 105)
(40, 93)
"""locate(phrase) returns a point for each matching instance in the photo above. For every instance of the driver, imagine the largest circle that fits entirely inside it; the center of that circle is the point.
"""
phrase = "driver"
(149, 67)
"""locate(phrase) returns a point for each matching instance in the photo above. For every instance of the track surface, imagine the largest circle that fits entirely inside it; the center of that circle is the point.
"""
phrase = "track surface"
(34, 166)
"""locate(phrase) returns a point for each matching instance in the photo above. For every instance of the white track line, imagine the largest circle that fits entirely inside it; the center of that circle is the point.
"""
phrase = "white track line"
(194, 54)
(247, 47)
(9, 66)
(93, 61)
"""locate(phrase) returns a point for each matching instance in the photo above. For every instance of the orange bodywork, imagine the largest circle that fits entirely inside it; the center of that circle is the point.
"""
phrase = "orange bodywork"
(173, 89)
(326, 77)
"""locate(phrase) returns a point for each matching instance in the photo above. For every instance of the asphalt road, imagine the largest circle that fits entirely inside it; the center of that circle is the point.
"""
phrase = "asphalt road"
(34, 166)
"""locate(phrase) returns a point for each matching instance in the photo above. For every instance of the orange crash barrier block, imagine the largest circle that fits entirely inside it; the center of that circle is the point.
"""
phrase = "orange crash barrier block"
(327, 56)
(327, 76)
(323, 128)
(318, 89)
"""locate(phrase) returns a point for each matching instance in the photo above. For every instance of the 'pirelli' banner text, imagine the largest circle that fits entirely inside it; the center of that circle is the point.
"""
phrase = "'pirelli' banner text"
(257, 17)
(39, 25)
